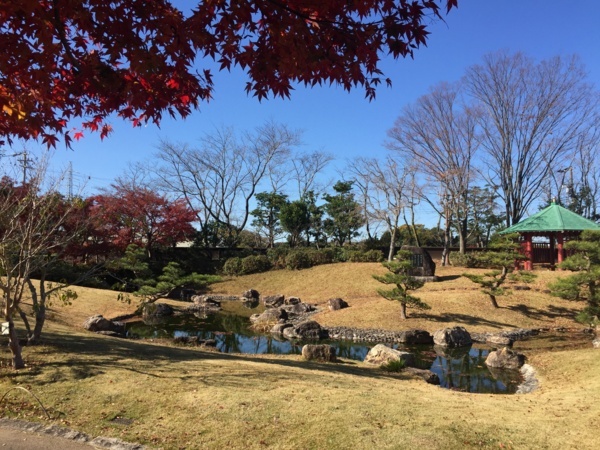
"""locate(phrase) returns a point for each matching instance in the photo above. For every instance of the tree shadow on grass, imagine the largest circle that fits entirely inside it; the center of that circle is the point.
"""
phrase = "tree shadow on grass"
(448, 278)
(89, 356)
(552, 312)
(459, 318)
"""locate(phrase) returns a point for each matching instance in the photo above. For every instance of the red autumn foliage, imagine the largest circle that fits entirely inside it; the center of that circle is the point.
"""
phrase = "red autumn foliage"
(137, 216)
(68, 59)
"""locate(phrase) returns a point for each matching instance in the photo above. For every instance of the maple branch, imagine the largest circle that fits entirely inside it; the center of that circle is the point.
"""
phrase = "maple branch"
(59, 26)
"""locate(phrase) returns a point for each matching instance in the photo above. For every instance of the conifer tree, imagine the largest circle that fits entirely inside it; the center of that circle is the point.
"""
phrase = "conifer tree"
(584, 284)
(500, 256)
(399, 276)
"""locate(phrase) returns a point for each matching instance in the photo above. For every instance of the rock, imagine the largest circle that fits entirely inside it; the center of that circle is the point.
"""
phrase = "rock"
(273, 301)
(98, 323)
(157, 310)
(305, 330)
(415, 337)
(499, 340)
(336, 304)
(452, 337)
(279, 327)
(324, 353)
(596, 342)
(298, 309)
(505, 359)
(205, 299)
(382, 354)
(251, 294)
(269, 315)
(427, 375)
(292, 301)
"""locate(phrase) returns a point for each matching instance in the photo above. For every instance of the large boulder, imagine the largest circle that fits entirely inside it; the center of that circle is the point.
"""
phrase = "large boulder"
(415, 337)
(452, 337)
(156, 310)
(98, 323)
(336, 304)
(324, 352)
(305, 330)
(273, 301)
(382, 354)
(505, 359)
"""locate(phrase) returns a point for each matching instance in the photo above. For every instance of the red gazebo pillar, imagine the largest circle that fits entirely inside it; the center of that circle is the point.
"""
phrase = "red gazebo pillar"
(559, 246)
(528, 263)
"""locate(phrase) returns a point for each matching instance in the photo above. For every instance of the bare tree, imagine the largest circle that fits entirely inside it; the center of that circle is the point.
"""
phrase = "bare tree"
(37, 224)
(219, 179)
(534, 114)
(382, 186)
(305, 169)
(439, 134)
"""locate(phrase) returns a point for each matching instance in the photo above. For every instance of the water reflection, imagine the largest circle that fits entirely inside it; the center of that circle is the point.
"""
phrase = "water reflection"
(461, 369)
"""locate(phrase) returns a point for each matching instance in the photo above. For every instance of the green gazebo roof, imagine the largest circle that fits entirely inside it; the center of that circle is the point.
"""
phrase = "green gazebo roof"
(553, 218)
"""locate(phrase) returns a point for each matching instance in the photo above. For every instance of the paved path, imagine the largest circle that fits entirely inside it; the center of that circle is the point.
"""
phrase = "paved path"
(20, 435)
(23, 440)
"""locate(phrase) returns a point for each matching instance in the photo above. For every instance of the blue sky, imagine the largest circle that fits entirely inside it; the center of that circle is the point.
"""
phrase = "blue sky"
(346, 124)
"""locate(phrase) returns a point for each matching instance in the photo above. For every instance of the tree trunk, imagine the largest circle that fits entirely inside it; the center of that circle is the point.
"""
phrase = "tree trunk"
(392, 244)
(493, 301)
(403, 310)
(13, 345)
(40, 319)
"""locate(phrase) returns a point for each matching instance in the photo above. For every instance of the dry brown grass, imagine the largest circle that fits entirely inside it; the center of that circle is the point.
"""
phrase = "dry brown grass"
(454, 300)
(184, 398)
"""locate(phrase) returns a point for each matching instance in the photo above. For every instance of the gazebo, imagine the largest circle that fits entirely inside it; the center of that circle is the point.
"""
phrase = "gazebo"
(555, 223)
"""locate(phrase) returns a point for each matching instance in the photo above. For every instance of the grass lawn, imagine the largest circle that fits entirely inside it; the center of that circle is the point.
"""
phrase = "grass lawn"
(175, 397)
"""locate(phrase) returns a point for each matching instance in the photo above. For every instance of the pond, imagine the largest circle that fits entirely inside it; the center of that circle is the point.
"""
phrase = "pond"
(461, 369)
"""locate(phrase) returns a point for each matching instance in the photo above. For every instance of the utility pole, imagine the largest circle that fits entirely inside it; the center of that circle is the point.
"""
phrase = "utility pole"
(70, 181)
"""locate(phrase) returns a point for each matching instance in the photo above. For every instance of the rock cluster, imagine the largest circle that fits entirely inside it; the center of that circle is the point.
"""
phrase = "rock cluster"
(378, 336)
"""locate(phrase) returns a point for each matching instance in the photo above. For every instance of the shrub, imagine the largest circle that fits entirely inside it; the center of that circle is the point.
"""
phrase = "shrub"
(298, 259)
(321, 256)
(255, 264)
(362, 256)
(233, 266)
(467, 260)
(277, 256)
(395, 365)
(373, 256)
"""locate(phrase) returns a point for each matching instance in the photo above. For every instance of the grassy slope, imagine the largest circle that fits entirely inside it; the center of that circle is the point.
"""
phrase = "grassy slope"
(186, 398)
(454, 300)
